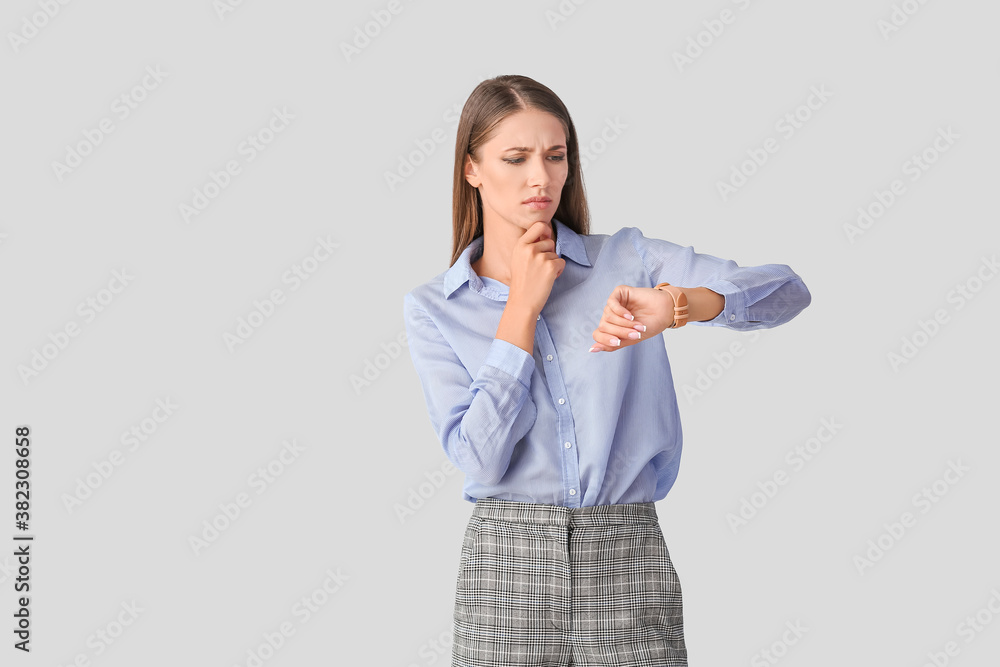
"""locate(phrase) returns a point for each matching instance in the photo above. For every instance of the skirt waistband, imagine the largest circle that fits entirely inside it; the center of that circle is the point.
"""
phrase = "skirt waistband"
(557, 515)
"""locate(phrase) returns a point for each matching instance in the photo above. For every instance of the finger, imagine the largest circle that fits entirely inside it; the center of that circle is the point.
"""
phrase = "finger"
(609, 333)
(599, 346)
(622, 332)
(558, 263)
(613, 319)
(537, 231)
(619, 297)
(606, 343)
(543, 246)
(612, 337)
(546, 229)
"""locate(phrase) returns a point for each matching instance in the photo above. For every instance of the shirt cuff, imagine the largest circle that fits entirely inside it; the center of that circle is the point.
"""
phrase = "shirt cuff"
(735, 309)
(511, 359)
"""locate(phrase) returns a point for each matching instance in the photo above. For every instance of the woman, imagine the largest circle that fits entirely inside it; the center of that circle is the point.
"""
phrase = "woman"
(564, 448)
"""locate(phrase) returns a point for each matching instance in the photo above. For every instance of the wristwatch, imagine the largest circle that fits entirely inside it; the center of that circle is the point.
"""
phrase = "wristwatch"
(680, 304)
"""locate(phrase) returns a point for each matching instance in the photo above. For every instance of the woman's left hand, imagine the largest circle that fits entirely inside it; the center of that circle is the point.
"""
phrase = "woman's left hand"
(629, 311)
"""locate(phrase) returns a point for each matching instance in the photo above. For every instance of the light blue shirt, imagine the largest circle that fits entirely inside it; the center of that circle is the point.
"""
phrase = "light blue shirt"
(565, 426)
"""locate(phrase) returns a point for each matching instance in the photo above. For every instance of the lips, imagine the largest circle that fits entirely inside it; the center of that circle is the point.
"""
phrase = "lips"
(537, 203)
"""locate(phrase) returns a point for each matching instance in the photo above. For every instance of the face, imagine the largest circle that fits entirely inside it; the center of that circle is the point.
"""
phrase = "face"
(526, 157)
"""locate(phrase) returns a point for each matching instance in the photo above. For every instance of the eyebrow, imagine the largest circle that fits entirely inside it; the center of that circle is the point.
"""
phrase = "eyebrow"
(525, 149)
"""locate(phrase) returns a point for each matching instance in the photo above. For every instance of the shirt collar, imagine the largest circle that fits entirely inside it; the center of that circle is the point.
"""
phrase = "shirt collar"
(568, 244)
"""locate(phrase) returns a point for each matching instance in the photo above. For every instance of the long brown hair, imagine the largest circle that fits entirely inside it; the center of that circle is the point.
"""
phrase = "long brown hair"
(488, 105)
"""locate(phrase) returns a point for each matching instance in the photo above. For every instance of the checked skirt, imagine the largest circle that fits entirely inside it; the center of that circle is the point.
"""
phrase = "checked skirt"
(547, 585)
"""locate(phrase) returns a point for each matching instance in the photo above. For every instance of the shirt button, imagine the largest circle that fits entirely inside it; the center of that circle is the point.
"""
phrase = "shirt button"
(538, 317)
(572, 492)
(561, 401)
(568, 445)
(732, 317)
(549, 357)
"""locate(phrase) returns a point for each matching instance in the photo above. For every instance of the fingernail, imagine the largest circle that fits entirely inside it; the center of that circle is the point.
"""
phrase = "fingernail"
(640, 327)
(628, 316)
(593, 348)
(634, 335)
(615, 341)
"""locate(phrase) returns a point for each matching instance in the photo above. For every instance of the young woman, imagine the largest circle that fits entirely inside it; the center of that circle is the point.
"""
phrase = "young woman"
(541, 360)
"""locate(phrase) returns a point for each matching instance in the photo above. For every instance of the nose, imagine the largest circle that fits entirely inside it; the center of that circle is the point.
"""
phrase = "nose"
(539, 172)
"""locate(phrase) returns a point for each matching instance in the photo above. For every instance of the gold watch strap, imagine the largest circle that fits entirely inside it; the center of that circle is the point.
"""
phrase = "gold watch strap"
(680, 304)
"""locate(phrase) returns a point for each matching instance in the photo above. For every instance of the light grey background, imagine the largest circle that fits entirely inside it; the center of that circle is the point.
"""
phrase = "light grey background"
(367, 449)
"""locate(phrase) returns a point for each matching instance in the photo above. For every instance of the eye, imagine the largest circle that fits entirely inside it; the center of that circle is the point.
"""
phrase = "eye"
(554, 158)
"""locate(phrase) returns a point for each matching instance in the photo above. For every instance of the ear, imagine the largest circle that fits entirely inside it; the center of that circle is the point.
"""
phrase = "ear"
(470, 172)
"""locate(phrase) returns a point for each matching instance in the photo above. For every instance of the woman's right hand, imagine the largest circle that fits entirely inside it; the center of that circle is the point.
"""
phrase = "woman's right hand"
(534, 267)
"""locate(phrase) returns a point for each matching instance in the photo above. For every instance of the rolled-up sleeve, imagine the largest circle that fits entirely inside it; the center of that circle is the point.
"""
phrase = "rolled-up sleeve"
(756, 297)
(477, 420)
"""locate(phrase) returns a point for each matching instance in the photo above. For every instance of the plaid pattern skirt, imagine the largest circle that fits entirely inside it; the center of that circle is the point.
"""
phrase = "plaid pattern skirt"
(548, 585)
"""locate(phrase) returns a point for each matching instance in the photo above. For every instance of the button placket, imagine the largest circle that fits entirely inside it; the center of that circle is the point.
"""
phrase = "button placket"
(564, 415)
